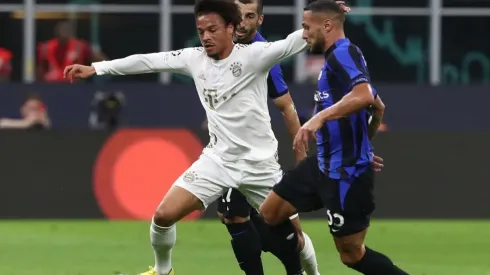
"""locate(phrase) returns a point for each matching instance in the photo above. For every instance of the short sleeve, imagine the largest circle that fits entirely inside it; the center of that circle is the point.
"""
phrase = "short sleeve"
(350, 65)
(276, 85)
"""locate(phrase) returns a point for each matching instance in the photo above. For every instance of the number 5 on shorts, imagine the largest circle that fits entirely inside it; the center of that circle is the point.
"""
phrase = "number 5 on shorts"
(335, 220)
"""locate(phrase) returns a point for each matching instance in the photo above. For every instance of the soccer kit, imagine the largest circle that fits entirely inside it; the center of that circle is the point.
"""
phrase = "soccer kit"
(339, 178)
(233, 203)
(242, 150)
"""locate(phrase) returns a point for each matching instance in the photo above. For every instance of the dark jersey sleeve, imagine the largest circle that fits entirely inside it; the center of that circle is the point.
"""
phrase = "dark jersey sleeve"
(276, 86)
(350, 65)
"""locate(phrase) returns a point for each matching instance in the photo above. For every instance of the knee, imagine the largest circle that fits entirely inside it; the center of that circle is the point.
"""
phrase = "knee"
(221, 218)
(165, 216)
(351, 254)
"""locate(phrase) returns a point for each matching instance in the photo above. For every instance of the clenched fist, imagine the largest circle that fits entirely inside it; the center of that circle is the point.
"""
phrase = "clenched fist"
(77, 71)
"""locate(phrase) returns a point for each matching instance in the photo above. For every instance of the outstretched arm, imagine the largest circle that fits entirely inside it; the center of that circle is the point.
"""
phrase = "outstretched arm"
(175, 61)
(269, 53)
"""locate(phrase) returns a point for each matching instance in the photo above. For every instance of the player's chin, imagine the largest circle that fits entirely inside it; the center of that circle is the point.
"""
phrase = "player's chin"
(210, 50)
(241, 36)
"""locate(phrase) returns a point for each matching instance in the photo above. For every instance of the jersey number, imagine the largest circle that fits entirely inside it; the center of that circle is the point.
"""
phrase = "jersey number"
(335, 220)
(210, 96)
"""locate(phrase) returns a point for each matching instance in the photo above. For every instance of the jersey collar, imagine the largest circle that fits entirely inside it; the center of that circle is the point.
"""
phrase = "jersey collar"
(337, 43)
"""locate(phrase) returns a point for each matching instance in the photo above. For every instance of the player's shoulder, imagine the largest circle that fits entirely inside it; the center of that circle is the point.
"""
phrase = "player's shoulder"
(242, 47)
(258, 46)
(187, 52)
(347, 49)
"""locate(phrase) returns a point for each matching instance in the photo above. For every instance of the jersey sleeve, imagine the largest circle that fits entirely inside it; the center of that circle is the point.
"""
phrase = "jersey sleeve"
(269, 53)
(350, 65)
(276, 86)
(174, 61)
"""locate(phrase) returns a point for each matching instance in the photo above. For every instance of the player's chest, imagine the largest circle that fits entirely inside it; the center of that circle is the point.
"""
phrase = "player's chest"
(218, 85)
(329, 87)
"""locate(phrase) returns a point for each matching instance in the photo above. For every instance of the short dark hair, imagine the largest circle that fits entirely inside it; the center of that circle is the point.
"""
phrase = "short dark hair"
(260, 5)
(326, 6)
(226, 9)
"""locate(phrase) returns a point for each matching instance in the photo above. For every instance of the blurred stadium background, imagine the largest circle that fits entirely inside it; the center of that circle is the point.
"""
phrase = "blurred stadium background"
(79, 187)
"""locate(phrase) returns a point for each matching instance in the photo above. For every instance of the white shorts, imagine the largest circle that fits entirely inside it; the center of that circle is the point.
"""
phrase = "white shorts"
(210, 176)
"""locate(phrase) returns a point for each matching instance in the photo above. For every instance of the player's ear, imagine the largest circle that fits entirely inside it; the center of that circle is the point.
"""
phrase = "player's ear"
(261, 19)
(327, 25)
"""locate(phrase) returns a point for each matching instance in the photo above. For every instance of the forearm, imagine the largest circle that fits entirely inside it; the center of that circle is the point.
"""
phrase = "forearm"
(374, 124)
(293, 125)
(291, 120)
(293, 44)
(6, 123)
(275, 52)
(134, 64)
(344, 107)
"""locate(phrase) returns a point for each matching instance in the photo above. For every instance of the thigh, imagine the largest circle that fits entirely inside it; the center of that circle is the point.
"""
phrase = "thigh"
(349, 203)
(299, 186)
(206, 179)
(233, 204)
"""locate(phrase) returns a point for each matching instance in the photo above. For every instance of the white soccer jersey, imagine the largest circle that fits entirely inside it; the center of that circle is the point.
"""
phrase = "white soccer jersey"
(233, 91)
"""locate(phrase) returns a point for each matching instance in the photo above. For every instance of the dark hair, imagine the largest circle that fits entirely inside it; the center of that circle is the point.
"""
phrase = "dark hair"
(226, 9)
(32, 96)
(260, 5)
(326, 6)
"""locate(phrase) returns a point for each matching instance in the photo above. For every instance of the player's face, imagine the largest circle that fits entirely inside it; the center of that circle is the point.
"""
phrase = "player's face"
(214, 34)
(313, 32)
(251, 21)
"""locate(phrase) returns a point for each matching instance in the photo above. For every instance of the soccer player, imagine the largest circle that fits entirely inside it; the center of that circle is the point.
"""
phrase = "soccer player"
(247, 229)
(231, 80)
(340, 178)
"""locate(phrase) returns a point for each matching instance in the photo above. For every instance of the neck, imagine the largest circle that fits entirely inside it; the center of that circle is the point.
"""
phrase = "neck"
(253, 35)
(331, 41)
(226, 52)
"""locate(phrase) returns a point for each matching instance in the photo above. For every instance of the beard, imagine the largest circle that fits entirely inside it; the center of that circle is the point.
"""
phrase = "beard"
(246, 37)
(318, 47)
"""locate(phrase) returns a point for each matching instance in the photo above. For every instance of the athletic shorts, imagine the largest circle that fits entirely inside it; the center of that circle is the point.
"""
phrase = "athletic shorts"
(209, 177)
(348, 203)
(234, 204)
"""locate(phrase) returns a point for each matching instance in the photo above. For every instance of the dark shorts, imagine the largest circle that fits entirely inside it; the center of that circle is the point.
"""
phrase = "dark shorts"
(348, 202)
(234, 204)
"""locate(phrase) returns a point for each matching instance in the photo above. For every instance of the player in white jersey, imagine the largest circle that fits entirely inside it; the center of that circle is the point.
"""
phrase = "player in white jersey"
(231, 84)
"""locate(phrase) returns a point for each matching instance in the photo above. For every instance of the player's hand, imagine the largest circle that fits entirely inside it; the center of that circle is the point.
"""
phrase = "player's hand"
(377, 163)
(344, 7)
(307, 131)
(77, 71)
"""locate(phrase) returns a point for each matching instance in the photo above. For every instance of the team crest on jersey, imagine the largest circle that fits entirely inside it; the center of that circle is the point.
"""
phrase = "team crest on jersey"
(190, 176)
(236, 69)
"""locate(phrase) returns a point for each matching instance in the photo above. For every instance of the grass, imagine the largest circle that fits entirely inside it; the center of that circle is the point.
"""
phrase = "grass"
(105, 247)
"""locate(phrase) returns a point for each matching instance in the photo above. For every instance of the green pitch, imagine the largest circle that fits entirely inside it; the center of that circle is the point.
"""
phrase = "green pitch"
(105, 248)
